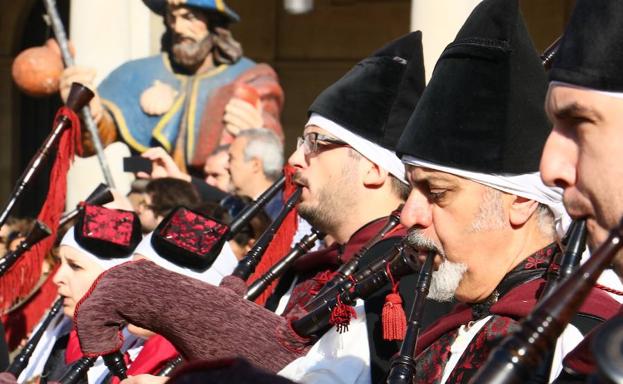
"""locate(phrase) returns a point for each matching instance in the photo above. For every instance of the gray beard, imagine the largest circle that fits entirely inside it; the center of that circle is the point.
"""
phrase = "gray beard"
(191, 55)
(446, 280)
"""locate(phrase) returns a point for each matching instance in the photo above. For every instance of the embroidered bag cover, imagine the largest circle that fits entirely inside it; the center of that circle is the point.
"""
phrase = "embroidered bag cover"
(107, 233)
(189, 239)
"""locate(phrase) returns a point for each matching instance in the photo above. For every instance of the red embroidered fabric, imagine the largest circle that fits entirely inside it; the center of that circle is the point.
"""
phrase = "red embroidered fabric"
(108, 225)
(107, 233)
(193, 232)
(189, 239)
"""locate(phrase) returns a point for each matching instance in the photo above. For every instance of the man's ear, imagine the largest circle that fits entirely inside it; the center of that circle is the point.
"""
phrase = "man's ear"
(374, 176)
(256, 165)
(521, 209)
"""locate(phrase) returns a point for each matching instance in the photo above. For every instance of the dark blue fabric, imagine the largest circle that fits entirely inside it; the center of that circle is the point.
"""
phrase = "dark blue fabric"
(274, 206)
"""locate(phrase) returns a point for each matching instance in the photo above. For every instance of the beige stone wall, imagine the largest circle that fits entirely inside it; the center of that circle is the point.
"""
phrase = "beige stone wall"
(129, 30)
(439, 22)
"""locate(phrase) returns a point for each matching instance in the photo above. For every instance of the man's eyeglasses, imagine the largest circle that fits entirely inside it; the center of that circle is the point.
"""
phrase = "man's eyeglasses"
(313, 141)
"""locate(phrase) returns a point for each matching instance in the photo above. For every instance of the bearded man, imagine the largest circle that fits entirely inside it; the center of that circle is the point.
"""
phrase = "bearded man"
(196, 95)
(583, 152)
(477, 199)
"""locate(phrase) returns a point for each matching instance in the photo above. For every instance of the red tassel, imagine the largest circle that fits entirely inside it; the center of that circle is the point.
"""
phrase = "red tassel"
(289, 188)
(20, 280)
(19, 322)
(281, 243)
(394, 319)
(393, 316)
(341, 315)
(320, 280)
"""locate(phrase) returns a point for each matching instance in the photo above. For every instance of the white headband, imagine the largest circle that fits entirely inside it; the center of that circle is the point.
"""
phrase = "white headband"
(222, 266)
(384, 158)
(70, 241)
(617, 95)
(527, 185)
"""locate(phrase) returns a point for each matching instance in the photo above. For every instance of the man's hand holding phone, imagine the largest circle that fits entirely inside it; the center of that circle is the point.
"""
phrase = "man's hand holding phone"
(161, 164)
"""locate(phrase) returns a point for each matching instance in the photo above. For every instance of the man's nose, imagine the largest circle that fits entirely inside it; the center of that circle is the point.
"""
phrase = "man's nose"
(417, 211)
(558, 162)
(178, 25)
(297, 158)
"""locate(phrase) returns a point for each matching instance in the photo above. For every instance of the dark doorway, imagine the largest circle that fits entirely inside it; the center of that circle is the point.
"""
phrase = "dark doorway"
(35, 116)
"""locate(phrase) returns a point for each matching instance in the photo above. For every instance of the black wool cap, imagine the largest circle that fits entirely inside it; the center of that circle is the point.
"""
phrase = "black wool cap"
(482, 110)
(377, 96)
(591, 50)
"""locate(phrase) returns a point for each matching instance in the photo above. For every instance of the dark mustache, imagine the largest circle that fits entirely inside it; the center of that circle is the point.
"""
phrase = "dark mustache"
(184, 39)
(575, 206)
(298, 179)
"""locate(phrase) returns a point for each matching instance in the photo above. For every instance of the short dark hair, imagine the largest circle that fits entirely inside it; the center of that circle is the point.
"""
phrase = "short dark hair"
(167, 193)
(254, 228)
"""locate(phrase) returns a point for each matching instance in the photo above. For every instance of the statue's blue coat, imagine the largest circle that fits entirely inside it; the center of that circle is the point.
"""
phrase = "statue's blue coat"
(122, 89)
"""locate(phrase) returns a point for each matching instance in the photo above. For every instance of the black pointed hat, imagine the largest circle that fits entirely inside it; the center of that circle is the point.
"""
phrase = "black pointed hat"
(591, 50)
(483, 108)
(377, 96)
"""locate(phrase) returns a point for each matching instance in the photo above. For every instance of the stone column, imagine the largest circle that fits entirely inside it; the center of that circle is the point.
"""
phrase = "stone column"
(107, 33)
(439, 21)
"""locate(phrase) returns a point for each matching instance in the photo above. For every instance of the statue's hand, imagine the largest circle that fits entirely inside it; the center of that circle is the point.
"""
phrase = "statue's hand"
(158, 99)
(244, 110)
(84, 76)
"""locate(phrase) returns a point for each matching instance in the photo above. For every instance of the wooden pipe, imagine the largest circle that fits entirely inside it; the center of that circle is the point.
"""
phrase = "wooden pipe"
(402, 370)
(519, 355)
(78, 97)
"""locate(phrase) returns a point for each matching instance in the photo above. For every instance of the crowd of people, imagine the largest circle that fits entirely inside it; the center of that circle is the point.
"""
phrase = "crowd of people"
(490, 167)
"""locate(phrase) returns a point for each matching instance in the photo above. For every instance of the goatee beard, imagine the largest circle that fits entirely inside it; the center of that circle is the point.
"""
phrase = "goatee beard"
(447, 277)
(191, 55)
(446, 280)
